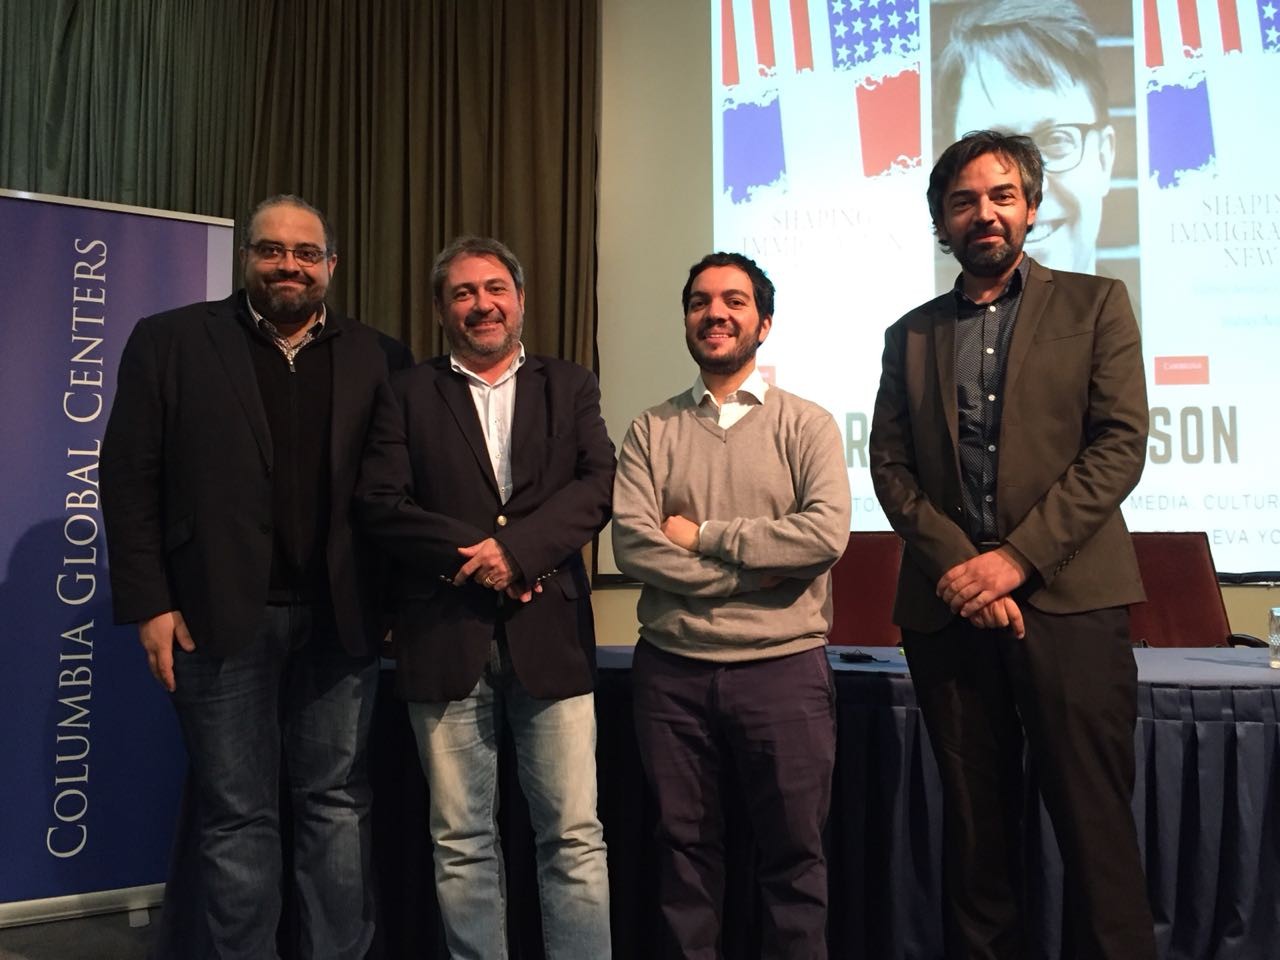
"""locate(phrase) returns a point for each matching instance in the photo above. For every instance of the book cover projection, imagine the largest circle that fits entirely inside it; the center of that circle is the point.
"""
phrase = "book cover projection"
(827, 116)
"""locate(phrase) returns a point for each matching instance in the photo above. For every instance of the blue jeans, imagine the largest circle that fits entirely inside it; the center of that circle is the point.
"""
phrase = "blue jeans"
(555, 749)
(294, 693)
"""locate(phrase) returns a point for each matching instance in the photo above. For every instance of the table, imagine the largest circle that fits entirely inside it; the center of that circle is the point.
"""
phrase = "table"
(1207, 804)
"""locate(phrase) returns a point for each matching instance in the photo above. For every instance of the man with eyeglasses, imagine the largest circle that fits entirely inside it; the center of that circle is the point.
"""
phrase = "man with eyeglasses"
(1031, 68)
(228, 467)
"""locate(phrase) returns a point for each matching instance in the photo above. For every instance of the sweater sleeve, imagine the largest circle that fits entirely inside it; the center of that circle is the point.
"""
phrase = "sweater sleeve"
(808, 541)
(640, 547)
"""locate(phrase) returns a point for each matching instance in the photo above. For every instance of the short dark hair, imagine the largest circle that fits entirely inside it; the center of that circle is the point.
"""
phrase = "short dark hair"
(1040, 44)
(472, 246)
(292, 200)
(1018, 150)
(761, 285)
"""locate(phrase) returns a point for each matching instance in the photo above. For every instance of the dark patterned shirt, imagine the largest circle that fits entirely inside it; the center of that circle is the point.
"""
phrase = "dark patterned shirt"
(983, 332)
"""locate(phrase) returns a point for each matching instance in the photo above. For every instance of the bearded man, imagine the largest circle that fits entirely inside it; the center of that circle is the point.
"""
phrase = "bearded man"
(228, 467)
(731, 505)
(1010, 425)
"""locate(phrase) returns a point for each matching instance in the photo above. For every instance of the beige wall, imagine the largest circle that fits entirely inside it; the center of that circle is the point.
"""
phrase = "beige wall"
(1247, 607)
(655, 200)
(615, 607)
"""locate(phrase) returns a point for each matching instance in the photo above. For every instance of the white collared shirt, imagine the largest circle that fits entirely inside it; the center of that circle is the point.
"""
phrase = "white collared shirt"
(495, 406)
(750, 394)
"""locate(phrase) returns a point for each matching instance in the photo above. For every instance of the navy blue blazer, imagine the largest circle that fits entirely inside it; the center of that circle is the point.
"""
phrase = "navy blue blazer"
(428, 488)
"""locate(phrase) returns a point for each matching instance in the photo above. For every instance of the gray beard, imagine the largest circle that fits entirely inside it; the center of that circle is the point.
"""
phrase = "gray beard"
(989, 263)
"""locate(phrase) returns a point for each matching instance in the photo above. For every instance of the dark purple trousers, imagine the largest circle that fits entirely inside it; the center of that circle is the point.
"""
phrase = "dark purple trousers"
(1068, 691)
(767, 728)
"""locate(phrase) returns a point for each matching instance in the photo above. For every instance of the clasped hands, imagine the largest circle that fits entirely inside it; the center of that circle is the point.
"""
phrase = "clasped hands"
(978, 590)
(489, 564)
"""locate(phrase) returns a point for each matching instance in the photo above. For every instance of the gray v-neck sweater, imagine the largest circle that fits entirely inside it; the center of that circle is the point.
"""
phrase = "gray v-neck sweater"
(773, 491)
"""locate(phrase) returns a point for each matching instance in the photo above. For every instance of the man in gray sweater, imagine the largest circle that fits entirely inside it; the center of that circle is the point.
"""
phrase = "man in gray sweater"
(731, 503)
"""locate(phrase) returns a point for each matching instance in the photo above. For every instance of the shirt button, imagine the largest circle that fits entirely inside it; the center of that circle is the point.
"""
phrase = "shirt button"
(989, 498)
(991, 309)
(991, 448)
(991, 397)
(991, 350)
(502, 520)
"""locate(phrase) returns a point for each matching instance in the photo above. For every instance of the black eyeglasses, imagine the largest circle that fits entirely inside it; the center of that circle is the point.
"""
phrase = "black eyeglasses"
(1062, 145)
(268, 251)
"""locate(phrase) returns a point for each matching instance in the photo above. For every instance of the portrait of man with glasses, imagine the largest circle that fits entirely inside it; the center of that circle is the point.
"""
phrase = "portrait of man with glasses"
(1034, 68)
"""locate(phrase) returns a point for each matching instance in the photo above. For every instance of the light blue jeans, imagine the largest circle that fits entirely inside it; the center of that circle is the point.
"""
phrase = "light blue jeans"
(555, 749)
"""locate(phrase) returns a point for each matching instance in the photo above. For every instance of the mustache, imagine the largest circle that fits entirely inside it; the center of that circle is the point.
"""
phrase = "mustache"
(980, 233)
(715, 325)
(276, 276)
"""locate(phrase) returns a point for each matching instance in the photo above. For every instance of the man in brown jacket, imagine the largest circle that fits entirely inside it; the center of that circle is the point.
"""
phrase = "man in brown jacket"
(1010, 424)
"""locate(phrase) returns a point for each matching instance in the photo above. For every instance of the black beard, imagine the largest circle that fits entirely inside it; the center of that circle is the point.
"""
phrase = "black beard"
(286, 309)
(286, 314)
(723, 365)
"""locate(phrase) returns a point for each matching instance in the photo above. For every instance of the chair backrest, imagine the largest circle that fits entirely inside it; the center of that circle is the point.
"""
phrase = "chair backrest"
(1184, 606)
(863, 583)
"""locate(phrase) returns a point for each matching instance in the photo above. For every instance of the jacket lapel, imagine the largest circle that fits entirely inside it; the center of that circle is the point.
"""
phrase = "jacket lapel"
(342, 408)
(944, 352)
(529, 422)
(457, 398)
(1035, 298)
(229, 343)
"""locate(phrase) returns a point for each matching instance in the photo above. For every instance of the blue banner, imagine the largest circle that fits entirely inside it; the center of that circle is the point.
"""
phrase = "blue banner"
(90, 751)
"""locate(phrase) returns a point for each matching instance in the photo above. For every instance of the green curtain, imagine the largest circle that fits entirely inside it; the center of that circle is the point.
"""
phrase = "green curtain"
(406, 121)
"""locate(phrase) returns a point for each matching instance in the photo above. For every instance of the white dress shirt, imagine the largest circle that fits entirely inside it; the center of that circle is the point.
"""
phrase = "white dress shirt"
(750, 394)
(495, 405)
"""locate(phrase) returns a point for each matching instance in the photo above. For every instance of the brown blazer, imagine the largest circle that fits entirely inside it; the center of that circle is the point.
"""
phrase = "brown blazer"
(1073, 436)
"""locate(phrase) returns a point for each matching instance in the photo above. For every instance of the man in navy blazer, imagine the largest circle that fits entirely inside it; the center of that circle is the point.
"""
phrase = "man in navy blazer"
(1010, 425)
(228, 467)
(487, 472)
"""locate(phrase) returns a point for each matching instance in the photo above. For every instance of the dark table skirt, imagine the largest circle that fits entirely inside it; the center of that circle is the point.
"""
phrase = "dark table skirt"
(1207, 804)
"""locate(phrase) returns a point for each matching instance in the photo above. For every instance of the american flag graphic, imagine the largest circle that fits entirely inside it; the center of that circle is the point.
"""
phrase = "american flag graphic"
(763, 44)
(1184, 42)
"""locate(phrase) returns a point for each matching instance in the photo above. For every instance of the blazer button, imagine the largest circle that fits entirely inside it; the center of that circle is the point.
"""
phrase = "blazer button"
(502, 520)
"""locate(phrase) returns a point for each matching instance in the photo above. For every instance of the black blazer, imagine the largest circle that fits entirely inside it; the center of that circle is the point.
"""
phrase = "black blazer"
(428, 487)
(186, 477)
